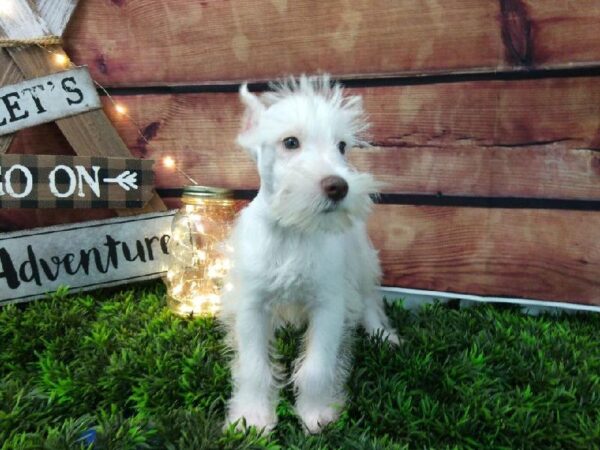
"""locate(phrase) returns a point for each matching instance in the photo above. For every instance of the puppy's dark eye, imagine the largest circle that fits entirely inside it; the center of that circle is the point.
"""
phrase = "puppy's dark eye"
(342, 147)
(291, 143)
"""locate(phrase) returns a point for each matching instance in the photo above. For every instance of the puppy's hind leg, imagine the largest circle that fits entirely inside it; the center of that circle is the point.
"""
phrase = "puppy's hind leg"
(376, 322)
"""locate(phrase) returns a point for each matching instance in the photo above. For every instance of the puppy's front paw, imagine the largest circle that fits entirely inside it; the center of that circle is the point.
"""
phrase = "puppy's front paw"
(262, 417)
(316, 417)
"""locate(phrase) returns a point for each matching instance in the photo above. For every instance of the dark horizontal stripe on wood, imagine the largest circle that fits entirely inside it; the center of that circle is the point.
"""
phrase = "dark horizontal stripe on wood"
(488, 202)
(441, 200)
(408, 80)
(238, 194)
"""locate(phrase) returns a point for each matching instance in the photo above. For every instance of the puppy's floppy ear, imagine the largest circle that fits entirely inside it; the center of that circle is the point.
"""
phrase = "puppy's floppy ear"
(252, 113)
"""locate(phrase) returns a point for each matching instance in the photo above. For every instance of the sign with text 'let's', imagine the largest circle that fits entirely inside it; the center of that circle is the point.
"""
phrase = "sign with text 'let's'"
(57, 181)
(46, 99)
(83, 256)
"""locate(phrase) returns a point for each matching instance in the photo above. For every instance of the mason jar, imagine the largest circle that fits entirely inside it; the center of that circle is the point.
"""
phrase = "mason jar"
(199, 251)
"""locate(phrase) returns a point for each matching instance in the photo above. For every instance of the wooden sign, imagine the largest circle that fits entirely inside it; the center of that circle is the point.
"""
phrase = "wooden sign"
(53, 181)
(46, 99)
(83, 256)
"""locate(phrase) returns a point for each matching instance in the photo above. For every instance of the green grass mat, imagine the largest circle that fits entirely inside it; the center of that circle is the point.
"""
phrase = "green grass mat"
(120, 366)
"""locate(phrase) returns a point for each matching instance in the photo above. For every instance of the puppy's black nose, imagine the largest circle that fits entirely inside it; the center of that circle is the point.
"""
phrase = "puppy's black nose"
(334, 187)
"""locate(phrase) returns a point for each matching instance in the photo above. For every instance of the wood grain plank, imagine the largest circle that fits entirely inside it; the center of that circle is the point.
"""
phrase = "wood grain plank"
(494, 113)
(484, 113)
(501, 113)
(536, 138)
(212, 41)
(537, 254)
(551, 171)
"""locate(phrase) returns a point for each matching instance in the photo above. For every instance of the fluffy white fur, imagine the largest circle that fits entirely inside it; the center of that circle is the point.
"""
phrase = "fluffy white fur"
(300, 257)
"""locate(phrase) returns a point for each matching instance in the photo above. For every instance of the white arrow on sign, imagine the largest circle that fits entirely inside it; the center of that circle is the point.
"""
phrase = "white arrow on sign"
(127, 180)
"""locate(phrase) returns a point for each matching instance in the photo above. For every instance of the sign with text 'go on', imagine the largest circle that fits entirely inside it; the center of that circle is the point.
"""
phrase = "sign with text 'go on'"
(57, 181)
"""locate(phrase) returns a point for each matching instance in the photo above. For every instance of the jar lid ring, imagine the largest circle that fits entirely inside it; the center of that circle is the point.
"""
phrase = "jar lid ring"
(196, 191)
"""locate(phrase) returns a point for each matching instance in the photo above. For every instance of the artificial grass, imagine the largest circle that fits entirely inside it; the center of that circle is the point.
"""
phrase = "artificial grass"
(119, 366)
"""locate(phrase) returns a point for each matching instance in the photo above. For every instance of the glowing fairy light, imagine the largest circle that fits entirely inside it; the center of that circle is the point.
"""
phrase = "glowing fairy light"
(120, 109)
(168, 162)
(61, 59)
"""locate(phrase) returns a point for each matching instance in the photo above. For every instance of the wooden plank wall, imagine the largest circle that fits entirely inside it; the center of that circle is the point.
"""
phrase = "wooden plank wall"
(486, 121)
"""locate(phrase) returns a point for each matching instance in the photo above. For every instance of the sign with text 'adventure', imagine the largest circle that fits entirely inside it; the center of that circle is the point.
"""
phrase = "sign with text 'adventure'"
(83, 256)
(57, 181)
(46, 99)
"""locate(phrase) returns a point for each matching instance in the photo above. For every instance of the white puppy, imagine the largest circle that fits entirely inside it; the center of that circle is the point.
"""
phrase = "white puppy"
(301, 250)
